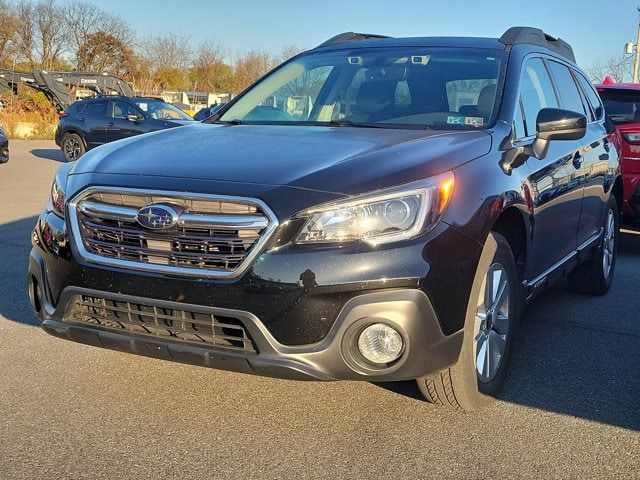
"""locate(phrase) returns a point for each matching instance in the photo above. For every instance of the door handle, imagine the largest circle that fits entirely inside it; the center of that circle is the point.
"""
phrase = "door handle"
(82, 119)
(577, 160)
(109, 124)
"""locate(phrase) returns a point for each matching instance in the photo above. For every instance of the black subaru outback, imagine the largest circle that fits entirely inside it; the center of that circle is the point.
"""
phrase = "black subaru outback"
(374, 209)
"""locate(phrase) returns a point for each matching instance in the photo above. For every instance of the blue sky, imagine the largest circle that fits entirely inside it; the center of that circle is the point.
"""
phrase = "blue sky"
(596, 29)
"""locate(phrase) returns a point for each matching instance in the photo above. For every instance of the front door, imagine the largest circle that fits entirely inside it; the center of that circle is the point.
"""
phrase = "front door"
(554, 182)
(118, 125)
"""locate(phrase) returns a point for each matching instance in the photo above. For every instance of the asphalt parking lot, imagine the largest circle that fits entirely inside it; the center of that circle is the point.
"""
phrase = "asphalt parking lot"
(570, 408)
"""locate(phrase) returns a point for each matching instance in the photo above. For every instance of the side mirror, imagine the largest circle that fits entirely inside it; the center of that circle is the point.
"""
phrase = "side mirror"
(135, 118)
(557, 124)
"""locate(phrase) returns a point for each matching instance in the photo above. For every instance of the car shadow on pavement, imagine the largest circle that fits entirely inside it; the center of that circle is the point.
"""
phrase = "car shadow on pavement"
(578, 355)
(15, 244)
(49, 154)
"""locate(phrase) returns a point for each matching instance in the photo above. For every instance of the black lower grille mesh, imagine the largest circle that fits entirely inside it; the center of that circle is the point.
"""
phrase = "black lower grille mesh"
(148, 319)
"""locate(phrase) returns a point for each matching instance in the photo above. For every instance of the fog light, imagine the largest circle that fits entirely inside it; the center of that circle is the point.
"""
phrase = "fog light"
(379, 343)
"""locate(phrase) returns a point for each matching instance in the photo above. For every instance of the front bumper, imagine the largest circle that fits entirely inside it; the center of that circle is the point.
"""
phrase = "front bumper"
(427, 349)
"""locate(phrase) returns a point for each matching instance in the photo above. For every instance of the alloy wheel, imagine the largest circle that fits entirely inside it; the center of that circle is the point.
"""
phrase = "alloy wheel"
(608, 243)
(492, 323)
(72, 149)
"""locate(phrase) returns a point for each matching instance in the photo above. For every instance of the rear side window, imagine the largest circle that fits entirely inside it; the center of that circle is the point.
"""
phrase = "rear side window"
(592, 96)
(567, 88)
(536, 92)
(97, 109)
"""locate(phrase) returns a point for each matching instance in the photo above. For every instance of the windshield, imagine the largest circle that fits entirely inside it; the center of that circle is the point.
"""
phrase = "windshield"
(382, 87)
(621, 106)
(160, 110)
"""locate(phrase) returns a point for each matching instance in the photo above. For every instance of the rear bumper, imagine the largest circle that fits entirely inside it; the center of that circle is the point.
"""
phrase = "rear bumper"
(427, 349)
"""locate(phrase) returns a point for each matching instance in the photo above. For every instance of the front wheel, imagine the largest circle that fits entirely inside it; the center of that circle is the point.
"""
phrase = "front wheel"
(595, 276)
(492, 314)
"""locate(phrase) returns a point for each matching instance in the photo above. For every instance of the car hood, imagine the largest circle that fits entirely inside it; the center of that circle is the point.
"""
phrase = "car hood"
(339, 160)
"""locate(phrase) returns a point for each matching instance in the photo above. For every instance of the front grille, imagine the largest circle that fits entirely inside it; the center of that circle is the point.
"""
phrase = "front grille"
(210, 235)
(206, 329)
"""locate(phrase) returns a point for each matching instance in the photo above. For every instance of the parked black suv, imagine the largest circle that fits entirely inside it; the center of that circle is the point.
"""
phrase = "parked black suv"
(96, 121)
(374, 209)
(4, 147)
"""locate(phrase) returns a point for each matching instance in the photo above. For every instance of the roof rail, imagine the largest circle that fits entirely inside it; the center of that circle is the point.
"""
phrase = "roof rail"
(350, 37)
(535, 36)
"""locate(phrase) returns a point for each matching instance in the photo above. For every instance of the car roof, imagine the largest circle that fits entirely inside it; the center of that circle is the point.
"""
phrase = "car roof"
(513, 36)
(460, 42)
(121, 97)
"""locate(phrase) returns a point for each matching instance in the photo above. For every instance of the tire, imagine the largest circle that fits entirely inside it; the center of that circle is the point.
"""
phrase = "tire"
(595, 276)
(465, 386)
(72, 147)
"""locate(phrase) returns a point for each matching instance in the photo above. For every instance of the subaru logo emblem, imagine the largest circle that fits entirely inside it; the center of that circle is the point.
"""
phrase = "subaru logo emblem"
(157, 217)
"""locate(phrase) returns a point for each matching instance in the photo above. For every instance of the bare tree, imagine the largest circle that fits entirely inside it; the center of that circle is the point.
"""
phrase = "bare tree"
(251, 66)
(42, 36)
(167, 50)
(166, 58)
(210, 72)
(8, 26)
(84, 19)
(618, 68)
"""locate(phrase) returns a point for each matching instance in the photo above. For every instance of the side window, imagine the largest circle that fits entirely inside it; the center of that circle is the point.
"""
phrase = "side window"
(592, 96)
(567, 88)
(121, 109)
(536, 92)
(96, 109)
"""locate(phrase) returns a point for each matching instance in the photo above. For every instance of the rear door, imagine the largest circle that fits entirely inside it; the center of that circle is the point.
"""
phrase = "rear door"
(94, 121)
(557, 196)
(597, 148)
(118, 125)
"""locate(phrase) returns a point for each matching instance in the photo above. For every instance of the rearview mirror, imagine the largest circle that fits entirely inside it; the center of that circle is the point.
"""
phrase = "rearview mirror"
(557, 124)
(134, 118)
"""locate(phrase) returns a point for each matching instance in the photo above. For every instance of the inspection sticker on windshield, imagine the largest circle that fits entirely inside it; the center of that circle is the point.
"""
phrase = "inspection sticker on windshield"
(462, 120)
(474, 121)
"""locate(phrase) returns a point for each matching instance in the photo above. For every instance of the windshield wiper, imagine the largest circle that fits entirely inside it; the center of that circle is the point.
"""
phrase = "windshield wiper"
(229, 122)
(349, 123)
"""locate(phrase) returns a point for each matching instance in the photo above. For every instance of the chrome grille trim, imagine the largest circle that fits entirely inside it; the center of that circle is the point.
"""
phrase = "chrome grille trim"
(252, 218)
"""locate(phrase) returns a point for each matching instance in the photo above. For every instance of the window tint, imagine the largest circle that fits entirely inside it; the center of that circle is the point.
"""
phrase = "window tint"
(122, 109)
(536, 92)
(592, 96)
(97, 109)
(567, 88)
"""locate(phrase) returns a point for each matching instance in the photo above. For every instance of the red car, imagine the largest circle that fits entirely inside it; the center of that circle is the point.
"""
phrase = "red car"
(622, 106)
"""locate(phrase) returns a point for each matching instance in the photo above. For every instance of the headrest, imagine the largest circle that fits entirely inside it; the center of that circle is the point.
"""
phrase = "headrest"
(374, 96)
(486, 101)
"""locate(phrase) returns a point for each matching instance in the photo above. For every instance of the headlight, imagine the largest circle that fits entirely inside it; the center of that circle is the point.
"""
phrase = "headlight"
(632, 137)
(386, 216)
(57, 200)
